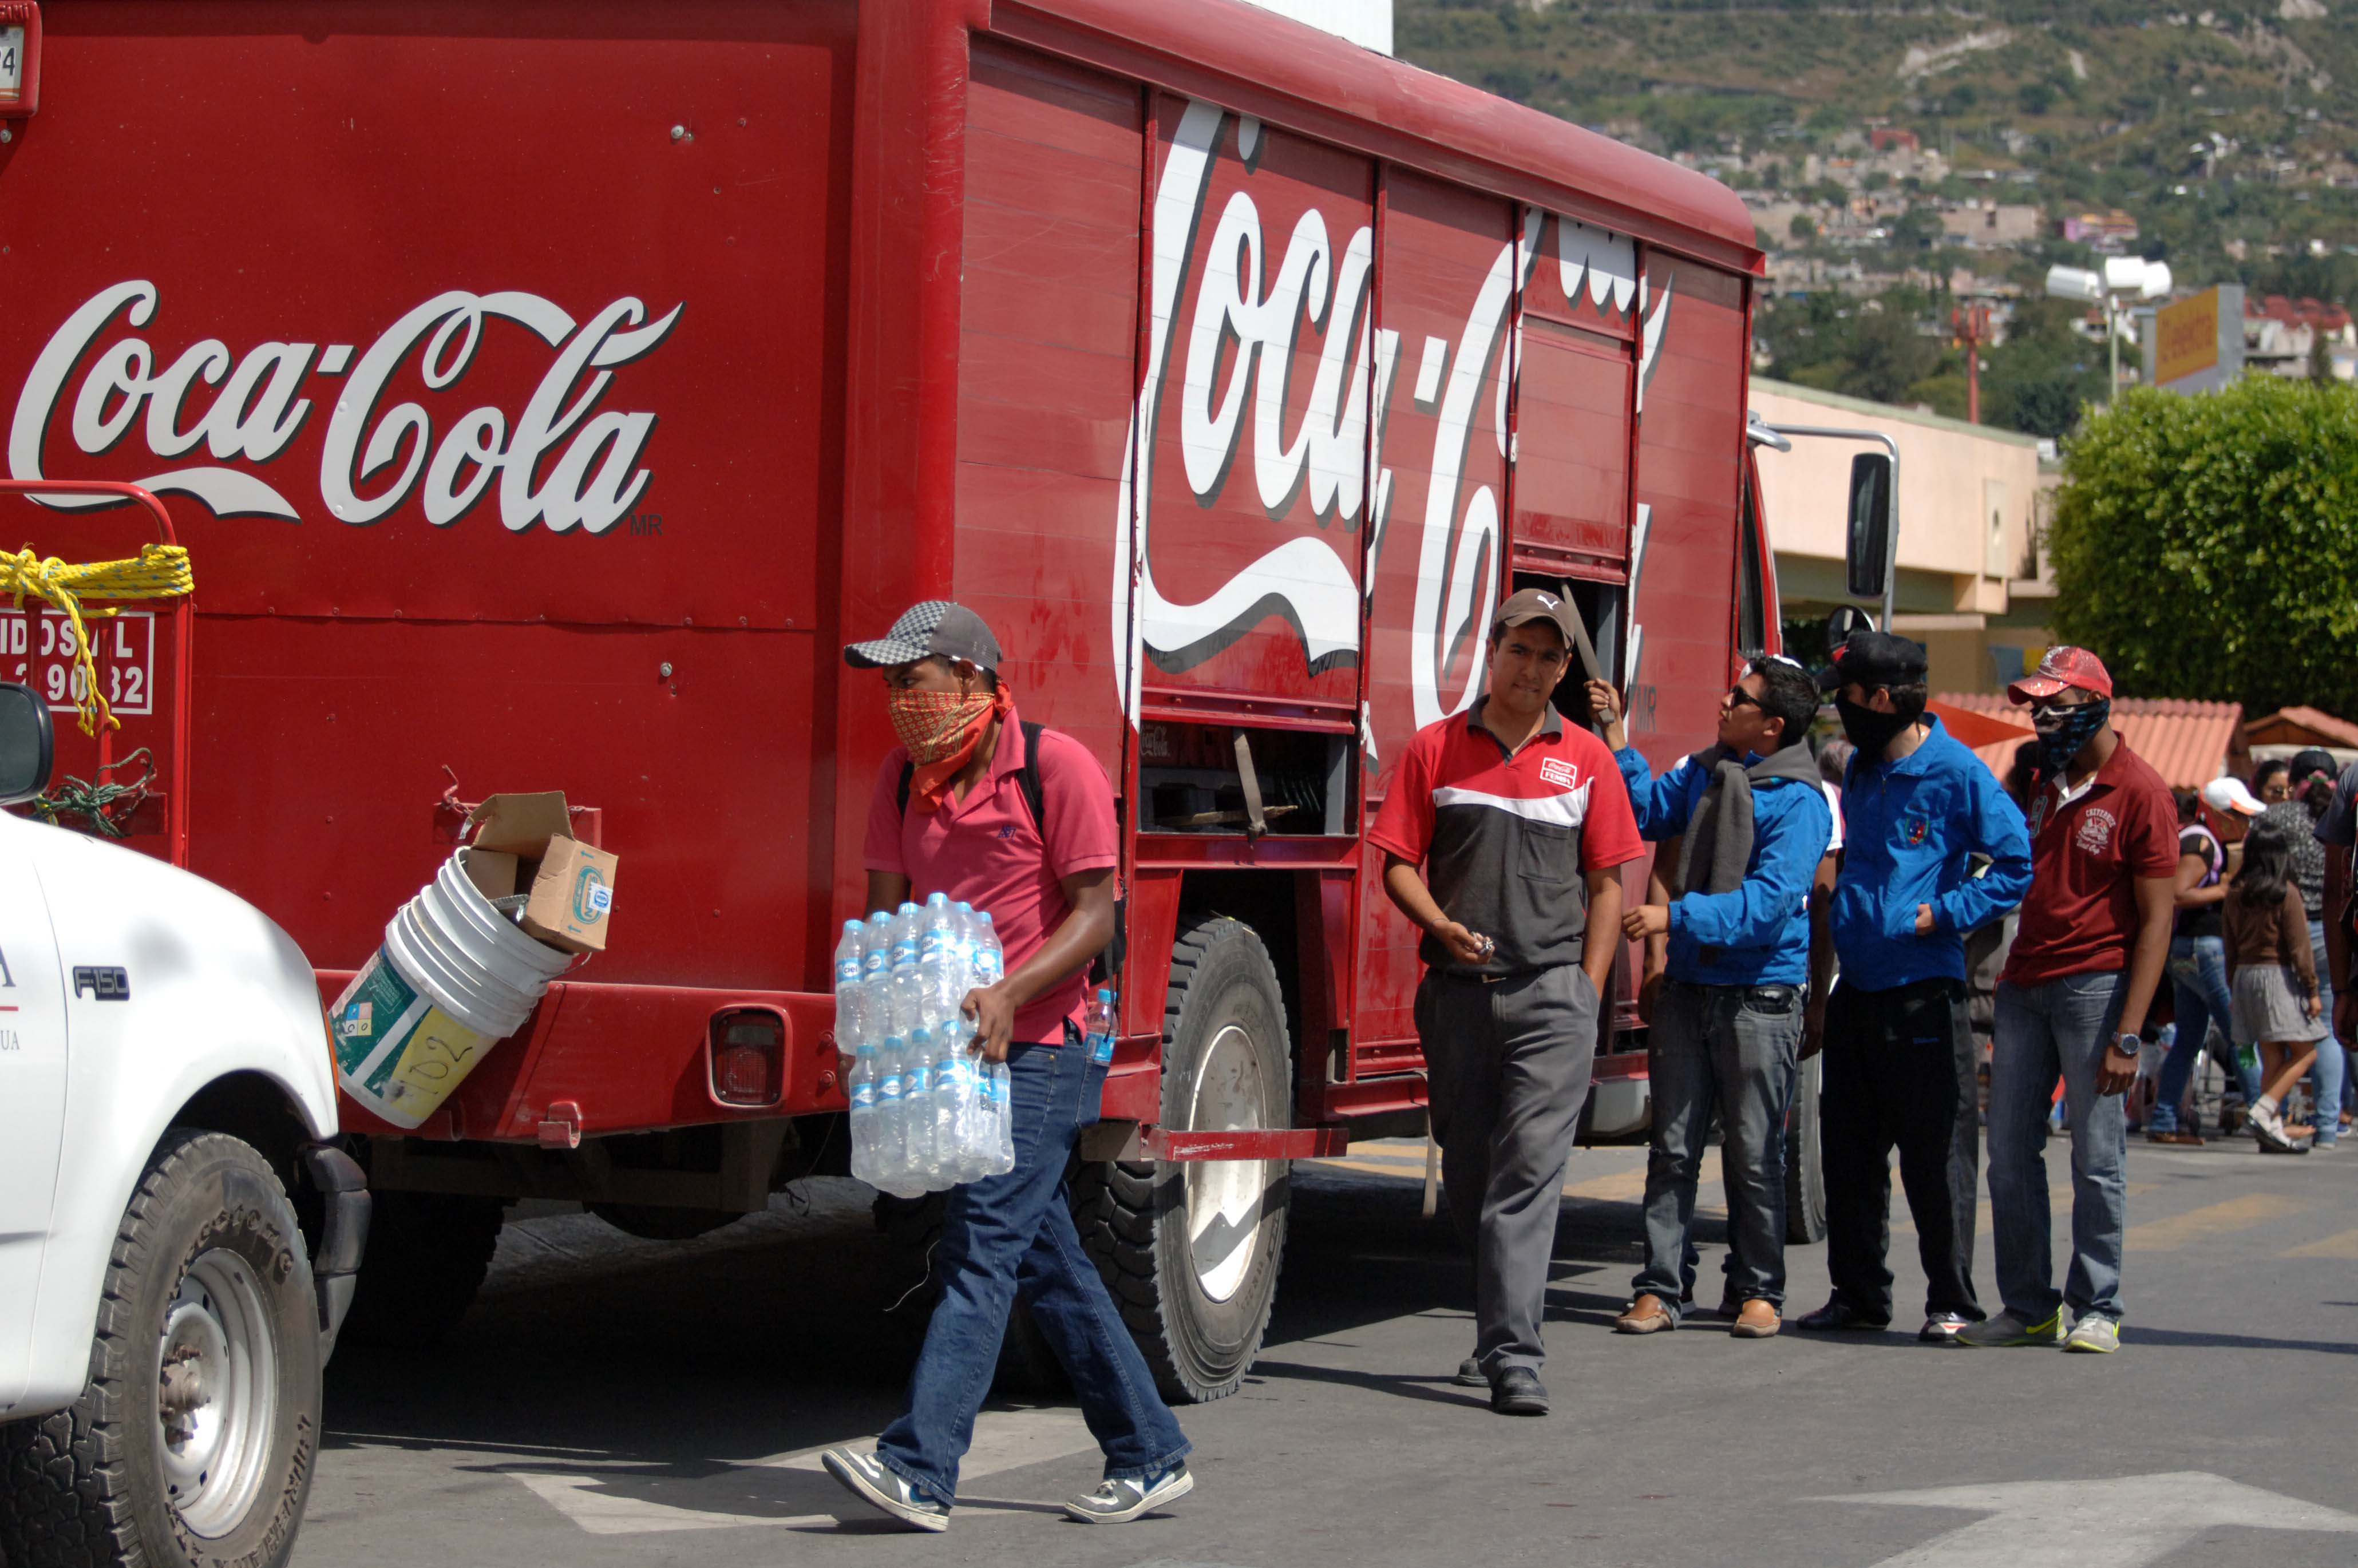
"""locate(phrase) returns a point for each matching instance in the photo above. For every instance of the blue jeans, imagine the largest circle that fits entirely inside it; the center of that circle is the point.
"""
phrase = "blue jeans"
(2198, 978)
(2061, 1027)
(2326, 1076)
(1012, 1235)
(1731, 1046)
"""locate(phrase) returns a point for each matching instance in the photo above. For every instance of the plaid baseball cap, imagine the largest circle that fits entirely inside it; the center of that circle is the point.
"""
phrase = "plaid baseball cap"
(2064, 667)
(935, 628)
(1872, 659)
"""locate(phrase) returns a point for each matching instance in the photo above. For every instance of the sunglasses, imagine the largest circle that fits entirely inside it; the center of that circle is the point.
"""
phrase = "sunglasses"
(1739, 697)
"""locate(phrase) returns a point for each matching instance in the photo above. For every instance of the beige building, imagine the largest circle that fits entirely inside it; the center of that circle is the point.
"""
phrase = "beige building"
(1968, 584)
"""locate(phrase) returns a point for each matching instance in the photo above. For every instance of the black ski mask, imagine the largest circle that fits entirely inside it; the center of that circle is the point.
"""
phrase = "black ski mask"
(2063, 731)
(1868, 729)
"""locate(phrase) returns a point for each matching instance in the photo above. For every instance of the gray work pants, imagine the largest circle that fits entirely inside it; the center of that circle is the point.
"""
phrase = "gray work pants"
(1507, 1064)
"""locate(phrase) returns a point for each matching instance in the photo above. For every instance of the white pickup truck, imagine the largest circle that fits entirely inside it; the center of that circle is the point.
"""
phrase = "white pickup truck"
(177, 1231)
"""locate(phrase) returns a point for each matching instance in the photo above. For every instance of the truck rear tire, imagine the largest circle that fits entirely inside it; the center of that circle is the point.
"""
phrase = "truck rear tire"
(1805, 1169)
(1190, 1249)
(427, 1253)
(194, 1441)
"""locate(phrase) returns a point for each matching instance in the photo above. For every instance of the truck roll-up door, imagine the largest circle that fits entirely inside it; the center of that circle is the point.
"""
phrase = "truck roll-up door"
(1572, 449)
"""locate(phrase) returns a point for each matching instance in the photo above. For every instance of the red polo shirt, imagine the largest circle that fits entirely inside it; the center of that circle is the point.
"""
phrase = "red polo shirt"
(987, 852)
(2086, 857)
(1505, 837)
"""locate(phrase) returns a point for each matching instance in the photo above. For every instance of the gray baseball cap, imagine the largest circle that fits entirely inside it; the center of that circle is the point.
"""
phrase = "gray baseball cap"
(936, 628)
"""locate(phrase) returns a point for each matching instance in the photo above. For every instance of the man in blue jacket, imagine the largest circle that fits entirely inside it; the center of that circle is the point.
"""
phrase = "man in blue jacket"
(1899, 1056)
(1751, 824)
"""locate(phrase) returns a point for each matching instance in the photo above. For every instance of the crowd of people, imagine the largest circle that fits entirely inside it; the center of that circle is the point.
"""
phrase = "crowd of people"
(1801, 899)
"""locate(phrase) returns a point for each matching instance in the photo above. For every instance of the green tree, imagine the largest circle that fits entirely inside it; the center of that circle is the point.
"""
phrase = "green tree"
(2207, 546)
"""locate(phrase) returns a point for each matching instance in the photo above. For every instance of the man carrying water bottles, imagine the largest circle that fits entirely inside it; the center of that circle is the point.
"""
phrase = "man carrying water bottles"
(1018, 822)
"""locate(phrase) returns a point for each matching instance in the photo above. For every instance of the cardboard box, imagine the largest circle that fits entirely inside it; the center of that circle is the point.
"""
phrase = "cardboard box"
(524, 841)
(571, 894)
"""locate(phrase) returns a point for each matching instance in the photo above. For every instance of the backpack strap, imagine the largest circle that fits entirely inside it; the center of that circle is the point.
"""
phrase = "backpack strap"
(1028, 780)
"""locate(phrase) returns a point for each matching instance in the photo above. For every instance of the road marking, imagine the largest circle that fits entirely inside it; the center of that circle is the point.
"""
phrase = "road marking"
(2121, 1523)
(628, 1497)
(1622, 1186)
(2058, 1201)
(2342, 1246)
(2195, 1225)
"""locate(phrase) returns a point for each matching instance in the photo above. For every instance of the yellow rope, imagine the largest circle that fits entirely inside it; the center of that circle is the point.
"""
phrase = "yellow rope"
(161, 572)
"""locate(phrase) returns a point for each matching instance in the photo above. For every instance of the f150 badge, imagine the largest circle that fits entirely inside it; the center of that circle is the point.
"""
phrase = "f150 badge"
(101, 982)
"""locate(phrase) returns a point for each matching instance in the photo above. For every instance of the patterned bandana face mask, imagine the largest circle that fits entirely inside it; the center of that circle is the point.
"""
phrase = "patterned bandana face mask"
(937, 725)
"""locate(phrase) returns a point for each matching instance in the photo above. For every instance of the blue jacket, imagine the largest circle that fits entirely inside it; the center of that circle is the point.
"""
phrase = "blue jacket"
(1908, 827)
(1759, 934)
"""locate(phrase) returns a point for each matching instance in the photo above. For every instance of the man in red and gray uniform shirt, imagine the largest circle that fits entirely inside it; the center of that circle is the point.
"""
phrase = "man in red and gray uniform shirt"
(2090, 948)
(1518, 823)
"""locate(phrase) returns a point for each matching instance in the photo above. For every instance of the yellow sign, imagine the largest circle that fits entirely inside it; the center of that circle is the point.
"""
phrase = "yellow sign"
(2186, 337)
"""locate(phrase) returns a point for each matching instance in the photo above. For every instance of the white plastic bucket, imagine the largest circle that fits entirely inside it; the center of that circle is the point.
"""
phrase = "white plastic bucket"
(453, 977)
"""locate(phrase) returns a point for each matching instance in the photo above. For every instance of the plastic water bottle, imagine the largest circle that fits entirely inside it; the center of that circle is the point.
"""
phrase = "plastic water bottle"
(875, 968)
(1104, 1024)
(1001, 1122)
(906, 1009)
(990, 959)
(852, 1020)
(952, 1150)
(937, 975)
(918, 1107)
(867, 1130)
(891, 1126)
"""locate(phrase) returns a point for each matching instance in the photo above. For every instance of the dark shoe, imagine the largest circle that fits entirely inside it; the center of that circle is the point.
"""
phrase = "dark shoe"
(2010, 1328)
(1943, 1328)
(2180, 1139)
(1756, 1320)
(1836, 1318)
(1469, 1375)
(1518, 1391)
(1647, 1315)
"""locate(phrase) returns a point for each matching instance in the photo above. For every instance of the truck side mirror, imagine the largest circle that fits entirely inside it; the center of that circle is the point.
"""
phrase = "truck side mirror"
(27, 744)
(1866, 552)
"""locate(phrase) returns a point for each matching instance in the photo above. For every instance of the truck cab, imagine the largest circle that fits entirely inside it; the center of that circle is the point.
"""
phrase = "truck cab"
(178, 1234)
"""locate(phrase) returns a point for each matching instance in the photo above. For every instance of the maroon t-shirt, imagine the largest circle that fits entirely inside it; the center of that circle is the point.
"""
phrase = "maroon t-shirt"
(2086, 857)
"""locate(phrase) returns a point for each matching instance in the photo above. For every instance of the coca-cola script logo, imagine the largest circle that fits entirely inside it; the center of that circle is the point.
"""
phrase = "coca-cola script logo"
(558, 461)
(1242, 305)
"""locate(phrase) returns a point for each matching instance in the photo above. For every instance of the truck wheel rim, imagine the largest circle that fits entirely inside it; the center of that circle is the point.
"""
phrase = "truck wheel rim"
(216, 1393)
(1224, 1195)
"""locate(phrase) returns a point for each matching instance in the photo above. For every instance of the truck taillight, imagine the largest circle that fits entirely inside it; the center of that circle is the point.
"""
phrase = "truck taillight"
(748, 1047)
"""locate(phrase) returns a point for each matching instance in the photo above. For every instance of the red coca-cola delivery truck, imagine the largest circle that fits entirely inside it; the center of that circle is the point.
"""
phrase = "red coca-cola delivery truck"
(546, 391)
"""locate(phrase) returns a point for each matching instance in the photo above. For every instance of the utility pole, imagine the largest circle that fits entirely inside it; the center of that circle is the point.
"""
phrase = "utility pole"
(1970, 325)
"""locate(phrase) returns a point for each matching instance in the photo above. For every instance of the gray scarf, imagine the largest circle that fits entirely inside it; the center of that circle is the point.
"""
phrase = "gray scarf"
(1717, 847)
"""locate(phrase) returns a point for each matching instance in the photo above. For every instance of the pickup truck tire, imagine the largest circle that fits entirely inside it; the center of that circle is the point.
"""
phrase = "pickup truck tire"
(1191, 1250)
(194, 1441)
(1805, 1169)
(427, 1253)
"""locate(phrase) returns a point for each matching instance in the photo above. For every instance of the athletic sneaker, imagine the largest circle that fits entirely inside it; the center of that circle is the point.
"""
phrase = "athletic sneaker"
(872, 1482)
(1837, 1316)
(2095, 1334)
(1942, 1328)
(1117, 1501)
(2007, 1329)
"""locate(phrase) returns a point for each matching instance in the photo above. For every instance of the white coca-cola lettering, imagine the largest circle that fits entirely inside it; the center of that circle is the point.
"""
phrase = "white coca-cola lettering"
(558, 466)
(1241, 343)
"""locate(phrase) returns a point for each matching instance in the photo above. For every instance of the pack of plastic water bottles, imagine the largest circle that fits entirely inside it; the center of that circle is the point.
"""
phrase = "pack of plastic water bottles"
(927, 1113)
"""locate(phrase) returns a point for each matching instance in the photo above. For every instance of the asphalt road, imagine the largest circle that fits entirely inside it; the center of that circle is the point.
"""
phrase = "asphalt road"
(615, 1403)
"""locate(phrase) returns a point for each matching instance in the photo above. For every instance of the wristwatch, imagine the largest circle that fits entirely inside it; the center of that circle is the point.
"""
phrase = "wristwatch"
(2127, 1044)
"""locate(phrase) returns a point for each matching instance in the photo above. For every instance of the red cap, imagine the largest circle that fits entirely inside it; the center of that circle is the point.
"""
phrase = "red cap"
(2060, 668)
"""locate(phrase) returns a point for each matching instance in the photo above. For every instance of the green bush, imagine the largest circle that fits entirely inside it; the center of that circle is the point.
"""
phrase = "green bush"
(2207, 546)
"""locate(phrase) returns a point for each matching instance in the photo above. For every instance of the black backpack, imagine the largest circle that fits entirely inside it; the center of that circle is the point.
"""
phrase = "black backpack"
(1106, 968)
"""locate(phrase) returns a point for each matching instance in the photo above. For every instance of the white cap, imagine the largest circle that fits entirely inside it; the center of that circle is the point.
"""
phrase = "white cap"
(2227, 793)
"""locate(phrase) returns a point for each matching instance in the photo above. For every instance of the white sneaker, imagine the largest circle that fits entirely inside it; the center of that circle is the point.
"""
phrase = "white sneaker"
(2095, 1334)
(1119, 1501)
